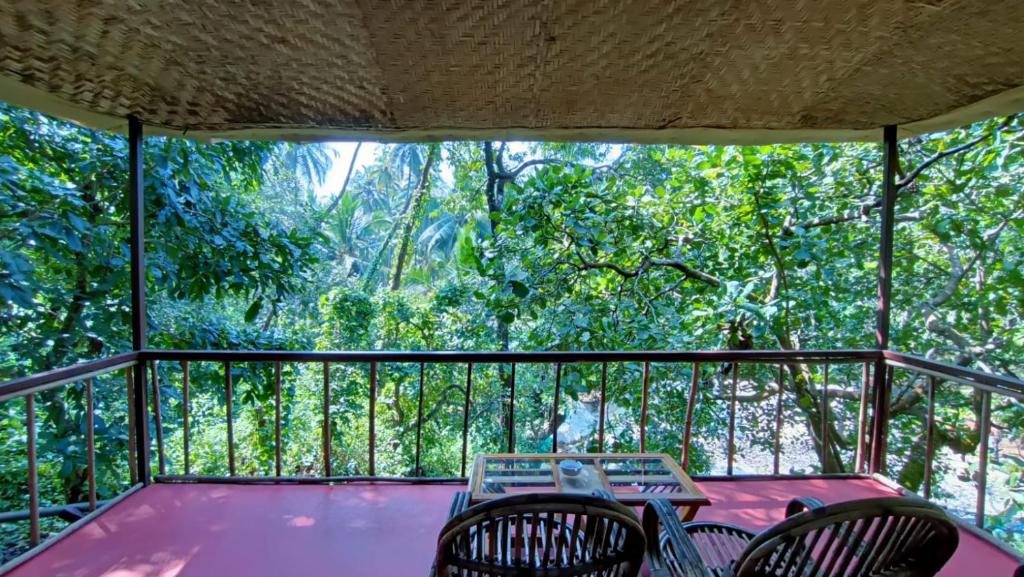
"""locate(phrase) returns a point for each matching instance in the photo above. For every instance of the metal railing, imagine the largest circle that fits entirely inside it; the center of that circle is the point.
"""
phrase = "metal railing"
(28, 388)
(732, 365)
(986, 384)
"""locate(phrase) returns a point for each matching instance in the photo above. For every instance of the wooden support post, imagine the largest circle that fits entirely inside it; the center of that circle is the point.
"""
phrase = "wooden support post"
(137, 249)
(140, 418)
(879, 432)
(880, 418)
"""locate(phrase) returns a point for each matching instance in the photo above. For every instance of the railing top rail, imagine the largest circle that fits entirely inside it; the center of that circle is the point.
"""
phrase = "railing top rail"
(41, 381)
(775, 356)
(77, 372)
(949, 372)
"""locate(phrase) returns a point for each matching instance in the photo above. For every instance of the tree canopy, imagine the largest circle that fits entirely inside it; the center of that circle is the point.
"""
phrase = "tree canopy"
(505, 246)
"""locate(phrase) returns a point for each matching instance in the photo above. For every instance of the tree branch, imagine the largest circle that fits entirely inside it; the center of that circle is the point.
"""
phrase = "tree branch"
(688, 271)
(866, 208)
(648, 263)
(957, 273)
(535, 162)
(512, 174)
(909, 178)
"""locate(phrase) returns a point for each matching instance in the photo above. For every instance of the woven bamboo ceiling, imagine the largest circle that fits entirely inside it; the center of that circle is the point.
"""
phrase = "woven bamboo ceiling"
(697, 71)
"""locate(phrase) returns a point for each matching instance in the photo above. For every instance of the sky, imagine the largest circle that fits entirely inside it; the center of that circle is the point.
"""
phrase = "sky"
(336, 175)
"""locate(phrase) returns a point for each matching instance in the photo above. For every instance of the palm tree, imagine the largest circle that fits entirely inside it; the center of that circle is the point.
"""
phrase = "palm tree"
(309, 162)
(411, 215)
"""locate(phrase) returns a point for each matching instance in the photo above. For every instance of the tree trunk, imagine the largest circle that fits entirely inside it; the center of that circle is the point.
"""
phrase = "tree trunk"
(808, 401)
(53, 401)
(411, 216)
(344, 186)
(494, 194)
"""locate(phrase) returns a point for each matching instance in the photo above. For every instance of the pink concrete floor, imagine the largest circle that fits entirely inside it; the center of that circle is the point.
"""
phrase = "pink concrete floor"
(360, 530)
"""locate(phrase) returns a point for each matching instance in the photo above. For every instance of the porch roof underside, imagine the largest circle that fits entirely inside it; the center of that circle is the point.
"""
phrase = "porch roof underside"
(366, 530)
(681, 71)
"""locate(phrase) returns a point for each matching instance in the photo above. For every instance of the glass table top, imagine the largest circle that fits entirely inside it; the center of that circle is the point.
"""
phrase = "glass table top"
(630, 477)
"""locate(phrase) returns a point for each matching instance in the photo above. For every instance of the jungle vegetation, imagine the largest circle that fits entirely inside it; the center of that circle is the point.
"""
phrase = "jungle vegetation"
(504, 246)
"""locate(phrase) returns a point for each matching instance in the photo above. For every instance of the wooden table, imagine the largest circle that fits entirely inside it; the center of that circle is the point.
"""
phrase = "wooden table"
(634, 478)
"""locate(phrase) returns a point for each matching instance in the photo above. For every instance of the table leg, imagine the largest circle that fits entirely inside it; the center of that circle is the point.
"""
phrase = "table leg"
(687, 513)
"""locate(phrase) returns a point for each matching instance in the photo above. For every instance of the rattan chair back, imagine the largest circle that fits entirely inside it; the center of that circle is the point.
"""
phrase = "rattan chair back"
(539, 534)
(892, 536)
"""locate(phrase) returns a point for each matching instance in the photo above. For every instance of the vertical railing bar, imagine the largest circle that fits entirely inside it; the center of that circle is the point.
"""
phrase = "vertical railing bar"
(133, 473)
(929, 447)
(373, 419)
(90, 442)
(157, 419)
(644, 396)
(33, 477)
(277, 418)
(229, 413)
(777, 450)
(603, 408)
(882, 377)
(862, 419)
(882, 440)
(185, 378)
(986, 425)
(824, 421)
(419, 422)
(690, 404)
(512, 413)
(555, 408)
(732, 418)
(465, 417)
(325, 433)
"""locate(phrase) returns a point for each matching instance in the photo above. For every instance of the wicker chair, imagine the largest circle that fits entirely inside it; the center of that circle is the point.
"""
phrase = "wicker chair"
(552, 535)
(891, 536)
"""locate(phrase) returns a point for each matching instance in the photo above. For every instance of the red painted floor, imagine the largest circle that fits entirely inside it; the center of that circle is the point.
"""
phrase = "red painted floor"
(359, 530)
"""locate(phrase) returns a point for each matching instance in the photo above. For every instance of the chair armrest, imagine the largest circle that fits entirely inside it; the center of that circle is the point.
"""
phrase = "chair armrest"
(460, 502)
(801, 504)
(660, 519)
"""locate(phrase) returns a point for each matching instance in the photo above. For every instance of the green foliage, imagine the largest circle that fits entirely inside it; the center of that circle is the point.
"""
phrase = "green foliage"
(511, 247)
